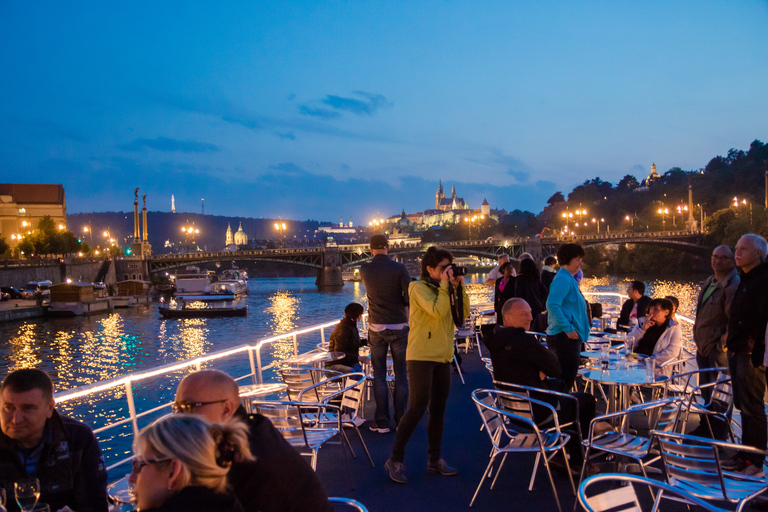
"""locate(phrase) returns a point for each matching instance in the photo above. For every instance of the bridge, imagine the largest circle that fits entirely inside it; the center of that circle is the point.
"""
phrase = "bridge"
(331, 260)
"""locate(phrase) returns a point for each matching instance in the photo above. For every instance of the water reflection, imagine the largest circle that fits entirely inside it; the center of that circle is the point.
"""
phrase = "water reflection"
(24, 354)
(283, 308)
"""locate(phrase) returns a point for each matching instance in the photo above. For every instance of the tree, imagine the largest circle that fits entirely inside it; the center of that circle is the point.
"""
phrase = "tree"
(3, 245)
(557, 197)
(627, 184)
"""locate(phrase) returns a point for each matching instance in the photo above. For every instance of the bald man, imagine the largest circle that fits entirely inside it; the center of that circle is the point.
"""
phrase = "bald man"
(280, 479)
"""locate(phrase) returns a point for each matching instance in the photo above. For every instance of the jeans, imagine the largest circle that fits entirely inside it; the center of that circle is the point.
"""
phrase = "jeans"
(430, 384)
(568, 352)
(748, 390)
(715, 359)
(341, 368)
(397, 342)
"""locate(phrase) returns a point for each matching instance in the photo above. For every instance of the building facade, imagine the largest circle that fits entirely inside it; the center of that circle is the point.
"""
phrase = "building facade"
(23, 205)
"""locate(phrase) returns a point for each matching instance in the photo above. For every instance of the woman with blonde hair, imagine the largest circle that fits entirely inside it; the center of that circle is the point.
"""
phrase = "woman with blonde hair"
(182, 463)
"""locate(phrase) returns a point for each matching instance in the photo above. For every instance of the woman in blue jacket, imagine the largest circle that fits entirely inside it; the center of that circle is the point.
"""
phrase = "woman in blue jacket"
(568, 323)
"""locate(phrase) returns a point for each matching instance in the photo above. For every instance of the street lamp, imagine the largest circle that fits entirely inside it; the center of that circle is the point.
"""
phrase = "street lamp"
(87, 229)
(663, 212)
(743, 202)
(581, 212)
(598, 221)
(189, 232)
(469, 221)
(281, 227)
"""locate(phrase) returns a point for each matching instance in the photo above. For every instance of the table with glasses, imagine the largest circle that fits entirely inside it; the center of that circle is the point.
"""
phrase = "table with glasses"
(254, 391)
(621, 380)
(314, 358)
(122, 495)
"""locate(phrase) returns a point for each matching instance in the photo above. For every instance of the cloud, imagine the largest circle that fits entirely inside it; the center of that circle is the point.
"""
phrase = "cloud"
(322, 113)
(286, 136)
(520, 176)
(638, 170)
(51, 130)
(290, 169)
(170, 145)
(366, 105)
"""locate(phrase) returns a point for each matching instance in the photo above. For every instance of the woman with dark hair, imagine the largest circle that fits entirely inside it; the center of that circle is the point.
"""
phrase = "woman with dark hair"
(504, 290)
(660, 337)
(528, 286)
(438, 301)
(182, 463)
(346, 338)
(567, 320)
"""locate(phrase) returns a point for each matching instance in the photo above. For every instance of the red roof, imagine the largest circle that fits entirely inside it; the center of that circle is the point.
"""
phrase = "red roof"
(23, 193)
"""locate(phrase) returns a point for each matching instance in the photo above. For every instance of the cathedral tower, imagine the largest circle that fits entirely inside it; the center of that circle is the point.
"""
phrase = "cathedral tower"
(229, 234)
(440, 194)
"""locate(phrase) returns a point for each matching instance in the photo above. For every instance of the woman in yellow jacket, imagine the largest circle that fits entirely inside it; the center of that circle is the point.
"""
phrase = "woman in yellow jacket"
(428, 358)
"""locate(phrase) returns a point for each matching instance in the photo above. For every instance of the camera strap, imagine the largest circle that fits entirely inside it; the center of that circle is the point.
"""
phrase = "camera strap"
(457, 305)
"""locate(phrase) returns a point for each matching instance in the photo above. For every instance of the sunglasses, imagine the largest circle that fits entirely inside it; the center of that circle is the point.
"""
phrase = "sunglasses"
(189, 407)
(138, 464)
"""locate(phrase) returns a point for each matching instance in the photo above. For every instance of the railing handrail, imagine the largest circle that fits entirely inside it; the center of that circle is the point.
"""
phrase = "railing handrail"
(622, 296)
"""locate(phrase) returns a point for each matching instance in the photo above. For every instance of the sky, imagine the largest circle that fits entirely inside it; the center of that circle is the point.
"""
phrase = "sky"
(355, 109)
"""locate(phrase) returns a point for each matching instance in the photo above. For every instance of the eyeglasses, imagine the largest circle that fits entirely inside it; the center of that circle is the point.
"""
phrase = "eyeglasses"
(138, 464)
(189, 407)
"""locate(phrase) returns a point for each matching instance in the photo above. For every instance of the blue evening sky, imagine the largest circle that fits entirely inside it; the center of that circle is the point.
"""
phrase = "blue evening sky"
(328, 109)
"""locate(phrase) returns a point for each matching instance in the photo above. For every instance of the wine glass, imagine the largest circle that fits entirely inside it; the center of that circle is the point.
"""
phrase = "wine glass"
(41, 507)
(2, 500)
(27, 493)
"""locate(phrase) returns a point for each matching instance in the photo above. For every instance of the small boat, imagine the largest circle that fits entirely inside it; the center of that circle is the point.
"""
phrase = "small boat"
(213, 312)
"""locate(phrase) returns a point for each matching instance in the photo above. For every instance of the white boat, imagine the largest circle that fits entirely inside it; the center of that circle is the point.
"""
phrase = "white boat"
(192, 282)
(233, 281)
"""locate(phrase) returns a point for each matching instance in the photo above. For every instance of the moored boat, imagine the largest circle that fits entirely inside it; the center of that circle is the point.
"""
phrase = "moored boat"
(210, 312)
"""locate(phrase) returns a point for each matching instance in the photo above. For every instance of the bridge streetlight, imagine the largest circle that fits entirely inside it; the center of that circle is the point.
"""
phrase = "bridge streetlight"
(189, 232)
(87, 229)
(663, 212)
(738, 204)
(280, 226)
(581, 212)
(598, 221)
(469, 221)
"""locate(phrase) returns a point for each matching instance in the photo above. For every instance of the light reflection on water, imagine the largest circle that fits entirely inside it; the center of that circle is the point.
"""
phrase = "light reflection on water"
(83, 350)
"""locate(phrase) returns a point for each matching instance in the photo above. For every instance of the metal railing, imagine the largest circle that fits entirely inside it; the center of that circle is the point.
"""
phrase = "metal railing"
(126, 381)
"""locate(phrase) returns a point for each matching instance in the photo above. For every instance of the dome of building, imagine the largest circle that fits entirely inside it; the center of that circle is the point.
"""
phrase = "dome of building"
(240, 237)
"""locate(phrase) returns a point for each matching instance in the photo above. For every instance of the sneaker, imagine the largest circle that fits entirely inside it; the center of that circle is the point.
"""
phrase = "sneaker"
(732, 464)
(381, 430)
(749, 469)
(441, 468)
(396, 471)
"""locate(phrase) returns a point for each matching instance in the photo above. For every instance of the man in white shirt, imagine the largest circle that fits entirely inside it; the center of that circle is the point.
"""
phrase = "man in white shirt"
(494, 274)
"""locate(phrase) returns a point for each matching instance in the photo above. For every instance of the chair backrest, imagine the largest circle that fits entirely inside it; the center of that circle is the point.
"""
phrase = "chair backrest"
(285, 417)
(540, 416)
(300, 378)
(507, 412)
(625, 498)
(347, 503)
(686, 460)
(722, 393)
(668, 417)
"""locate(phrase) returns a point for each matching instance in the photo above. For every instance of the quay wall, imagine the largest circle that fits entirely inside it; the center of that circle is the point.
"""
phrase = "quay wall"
(18, 276)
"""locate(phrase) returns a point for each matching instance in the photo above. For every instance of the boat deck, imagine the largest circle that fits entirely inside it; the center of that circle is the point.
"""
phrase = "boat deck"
(464, 447)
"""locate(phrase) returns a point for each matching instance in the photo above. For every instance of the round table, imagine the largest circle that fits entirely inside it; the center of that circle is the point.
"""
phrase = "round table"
(121, 493)
(251, 391)
(315, 358)
(614, 356)
(619, 382)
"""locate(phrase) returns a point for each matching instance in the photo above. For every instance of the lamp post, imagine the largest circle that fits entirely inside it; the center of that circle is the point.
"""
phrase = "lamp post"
(681, 209)
(280, 226)
(663, 212)
(376, 223)
(581, 212)
(567, 216)
(469, 221)
(189, 232)
(87, 229)
(743, 202)
(598, 221)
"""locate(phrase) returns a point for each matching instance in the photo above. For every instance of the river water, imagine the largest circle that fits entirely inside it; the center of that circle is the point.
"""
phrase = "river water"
(83, 350)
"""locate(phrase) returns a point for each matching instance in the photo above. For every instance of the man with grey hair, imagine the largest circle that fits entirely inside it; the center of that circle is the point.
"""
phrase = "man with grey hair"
(746, 348)
(712, 312)
(494, 274)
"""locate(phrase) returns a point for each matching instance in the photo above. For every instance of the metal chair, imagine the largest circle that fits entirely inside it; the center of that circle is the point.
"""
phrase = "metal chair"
(516, 431)
(347, 389)
(692, 464)
(299, 378)
(349, 502)
(720, 404)
(625, 498)
(621, 443)
(468, 332)
(289, 418)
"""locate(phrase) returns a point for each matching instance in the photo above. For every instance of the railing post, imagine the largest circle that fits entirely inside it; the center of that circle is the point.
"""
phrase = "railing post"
(295, 346)
(254, 379)
(322, 334)
(258, 364)
(131, 408)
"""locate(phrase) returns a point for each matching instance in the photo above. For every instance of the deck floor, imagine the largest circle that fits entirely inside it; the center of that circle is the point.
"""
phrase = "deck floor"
(464, 447)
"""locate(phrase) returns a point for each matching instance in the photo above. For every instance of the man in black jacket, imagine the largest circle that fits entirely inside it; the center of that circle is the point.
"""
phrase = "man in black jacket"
(279, 479)
(519, 358)
(636, 307)
(36, 442)
(386, 283)
(746, 347)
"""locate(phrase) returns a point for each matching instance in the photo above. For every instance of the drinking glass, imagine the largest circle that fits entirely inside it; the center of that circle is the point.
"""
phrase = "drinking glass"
(2, 500)
(27, 493)
(604, 354)
(41, 507)
(650, 369)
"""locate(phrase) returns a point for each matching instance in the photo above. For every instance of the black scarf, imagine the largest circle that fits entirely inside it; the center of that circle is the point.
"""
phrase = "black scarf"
(650, 338)
(456, 298)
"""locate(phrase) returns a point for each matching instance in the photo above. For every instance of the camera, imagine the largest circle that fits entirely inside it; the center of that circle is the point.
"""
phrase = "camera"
(458, 270)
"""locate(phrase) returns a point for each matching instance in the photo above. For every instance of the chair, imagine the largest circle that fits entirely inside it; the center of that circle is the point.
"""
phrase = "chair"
(625, 498)
(307, 437)
(692, 464)
(634, 446)
(347, 388)
(299, 378)
(468, 332)
(349, 502)
(508, 420)
(720, 404)
(554, 396)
